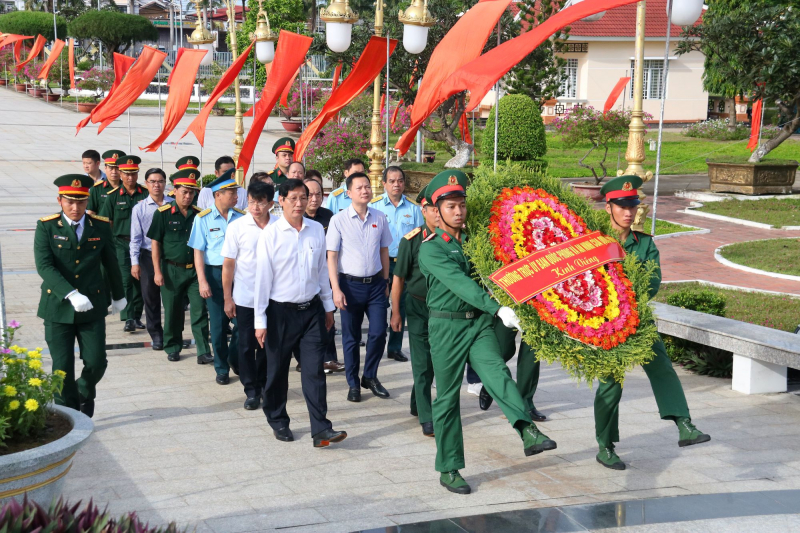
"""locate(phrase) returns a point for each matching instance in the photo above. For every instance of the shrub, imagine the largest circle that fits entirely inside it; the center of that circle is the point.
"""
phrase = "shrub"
(520, 135)
(97, 80)
(334, 144)
(208, 178)
(32, 23)
(703, 300)
(117, 31)
(208, 84)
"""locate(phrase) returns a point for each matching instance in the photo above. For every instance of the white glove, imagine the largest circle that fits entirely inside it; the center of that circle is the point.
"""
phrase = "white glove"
(80, 302)
(509, 318)
(118, 305)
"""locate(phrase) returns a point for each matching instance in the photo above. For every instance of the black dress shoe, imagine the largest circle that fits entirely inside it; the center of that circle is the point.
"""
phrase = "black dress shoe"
(130, 327)
(398, 356)
(375, 386)
(283, 434)
(536, 415)
(327, 437)
(205, 359)
(354, 395)
(87, 407)
(251, 404)
(484, 399)
(223, 379)
(174, 356)
(427, 429)
(186, 343)
(157, 344)
(362, 343)
(138, 324)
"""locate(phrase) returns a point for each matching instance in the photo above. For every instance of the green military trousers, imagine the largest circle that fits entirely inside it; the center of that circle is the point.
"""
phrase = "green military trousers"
(180, 283)
(667, 389)
(454, 343)
(131, 286)
(527, 365)
(421, 365)
(91, 337)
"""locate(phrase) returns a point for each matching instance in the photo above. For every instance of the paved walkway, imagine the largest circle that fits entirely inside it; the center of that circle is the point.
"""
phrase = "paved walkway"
(172, 445)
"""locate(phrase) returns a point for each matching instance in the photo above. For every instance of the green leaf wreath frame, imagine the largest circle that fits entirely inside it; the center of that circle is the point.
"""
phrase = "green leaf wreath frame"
(580, 360)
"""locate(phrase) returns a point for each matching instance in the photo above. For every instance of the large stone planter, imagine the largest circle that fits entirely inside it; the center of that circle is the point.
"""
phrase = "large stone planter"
(588, 190)
(416, 180)
(86, 107)
(752, 178)
(40, 471)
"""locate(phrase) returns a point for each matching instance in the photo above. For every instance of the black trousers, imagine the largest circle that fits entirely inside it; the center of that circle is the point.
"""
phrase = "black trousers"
(151, 294)
(252, 357)
(330, 347)
(287, 330)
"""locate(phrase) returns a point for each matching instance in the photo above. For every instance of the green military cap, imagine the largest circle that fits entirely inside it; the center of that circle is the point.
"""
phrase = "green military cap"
(186, 178)
(622, 190)
(74, 186)
(421, 200)
(189, 161)
(129, 164)
(446, 184)
(110, 157)
(284, 144)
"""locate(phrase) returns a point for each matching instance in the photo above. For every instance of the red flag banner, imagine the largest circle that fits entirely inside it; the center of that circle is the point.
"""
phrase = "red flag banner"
(180, 93)
(175, 65)
(72, 64)
(198, 125)
(285, 94)
(267, 69)
(755, 124)
(368, 66)
(615, 92)
(396, 110)
(463, 125)
(290, 54)
(479, 75)
(55, 52)
(336, 74)
(17, 40)
(11, 38)
(122, 64)
(38, 45)
(463, 43)
(133, 85)
(525, 278)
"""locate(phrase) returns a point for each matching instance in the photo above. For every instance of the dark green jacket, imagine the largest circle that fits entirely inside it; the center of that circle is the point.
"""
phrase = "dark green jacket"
(65, 265)
(171, 229)
(277, 177)
(97, 196)
(118, 208)
(407, 266)
(645, 249)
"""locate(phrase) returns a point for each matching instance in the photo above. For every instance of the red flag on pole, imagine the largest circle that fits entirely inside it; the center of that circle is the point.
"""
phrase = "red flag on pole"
(180, 93)
(72, 64)
(55, 51)
(755, 124)
(285, 93)
(615, 92)
(18, 46)
(336, 73)
(10, 39)
(122, 64)
(38, 44)
(267, 69)
(198, 125)
(368, 66)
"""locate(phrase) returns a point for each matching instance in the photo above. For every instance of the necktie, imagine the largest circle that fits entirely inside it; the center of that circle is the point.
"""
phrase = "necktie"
(76, 228)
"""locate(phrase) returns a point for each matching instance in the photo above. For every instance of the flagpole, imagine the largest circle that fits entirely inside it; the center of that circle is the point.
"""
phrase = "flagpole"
(160, 119)
(387, 97)
(496, 105)
(130, 141)
(661, 117)
(619, 146)
(253, 158)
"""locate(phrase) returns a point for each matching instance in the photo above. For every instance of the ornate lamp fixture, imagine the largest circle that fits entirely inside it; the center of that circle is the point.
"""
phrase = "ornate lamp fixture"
(264, 37)
(339, 19)
(201, 38)
(416, 20)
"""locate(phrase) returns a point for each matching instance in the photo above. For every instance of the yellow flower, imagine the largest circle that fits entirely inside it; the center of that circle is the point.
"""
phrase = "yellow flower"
(19, 350)
(31, 405)
(35, 382)
(14, 405)
(39, 349)
(35, 364)
(10, 390)
(34, 355)
(60, 373)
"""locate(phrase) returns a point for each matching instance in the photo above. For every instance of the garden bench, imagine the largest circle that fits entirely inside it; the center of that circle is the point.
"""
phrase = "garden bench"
(760, 355)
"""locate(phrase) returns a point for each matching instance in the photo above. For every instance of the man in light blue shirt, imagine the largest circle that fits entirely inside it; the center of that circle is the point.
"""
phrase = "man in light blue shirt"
(339, 199)
(207, 238)
(403, 215)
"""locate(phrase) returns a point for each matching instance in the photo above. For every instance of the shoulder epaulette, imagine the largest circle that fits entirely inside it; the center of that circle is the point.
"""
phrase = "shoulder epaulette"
(165, 207)
(171, 193)
(50, 217)
(113, 190)
(411, 234)
(445, 237)
(240, 211)
(204, 212)
(337, 192)
(379, 197)
(99, 183)
(98, 217)
(430, 237)
(196, 208)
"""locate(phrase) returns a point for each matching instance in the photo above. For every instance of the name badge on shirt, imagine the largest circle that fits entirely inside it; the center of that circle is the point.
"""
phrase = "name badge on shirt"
(214, 229)
(94, 239)
(178, 222)
(122, 203)
(60, 238)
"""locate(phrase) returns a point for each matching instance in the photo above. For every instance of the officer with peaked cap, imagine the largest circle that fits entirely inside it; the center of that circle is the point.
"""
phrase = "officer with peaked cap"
(284, 155)
(99, 192)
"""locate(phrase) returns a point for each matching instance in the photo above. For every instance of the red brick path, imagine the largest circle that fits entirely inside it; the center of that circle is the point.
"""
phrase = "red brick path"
(691, 257)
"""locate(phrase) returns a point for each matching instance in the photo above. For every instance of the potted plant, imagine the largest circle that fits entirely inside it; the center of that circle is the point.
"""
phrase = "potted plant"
(38, 438)
(582, 125)
(99, 82)
(311, 96)
(31, 73)
(6, 64)
(56, 78)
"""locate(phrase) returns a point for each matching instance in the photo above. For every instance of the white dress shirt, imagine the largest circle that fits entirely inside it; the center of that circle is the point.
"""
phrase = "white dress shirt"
(77, 226)
(240, 244)
(291, 267)
(359, 242)
(206, 198)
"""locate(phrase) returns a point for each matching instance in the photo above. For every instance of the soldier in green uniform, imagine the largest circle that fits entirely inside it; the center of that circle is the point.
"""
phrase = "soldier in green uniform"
(622, 200)
(407, 275)
(461, 330)
(117, 208)
(284, 155)
(69, 248)
(188, 162)
(173, 263)
(99, 192)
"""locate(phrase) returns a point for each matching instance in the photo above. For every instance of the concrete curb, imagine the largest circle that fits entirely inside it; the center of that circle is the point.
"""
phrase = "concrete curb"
(707, 196)
(731, 287)
(720, 259)
(696, 231)
(692, 210)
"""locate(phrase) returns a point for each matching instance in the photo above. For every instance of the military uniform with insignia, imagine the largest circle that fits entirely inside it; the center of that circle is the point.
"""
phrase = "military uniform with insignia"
(68, 255)
(171, 229)
(667, 388)
(188, 162)
(527, 369)
(461, 331)
(99, 192)
(282, 145)
(118, 208)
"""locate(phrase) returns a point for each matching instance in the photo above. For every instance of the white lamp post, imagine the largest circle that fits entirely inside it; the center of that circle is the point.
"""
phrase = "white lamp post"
(685, 12)
(416, 21)
(339, 19)
(265, 39)
(201, 38)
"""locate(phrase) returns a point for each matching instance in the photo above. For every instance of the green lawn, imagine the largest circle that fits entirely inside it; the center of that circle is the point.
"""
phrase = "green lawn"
(774, 255)
(775, 211)
(663, 227)
(770, 310)
(191, 110)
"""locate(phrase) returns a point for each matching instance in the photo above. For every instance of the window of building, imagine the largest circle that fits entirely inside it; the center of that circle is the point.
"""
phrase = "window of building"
(653, 85)
(569, 87)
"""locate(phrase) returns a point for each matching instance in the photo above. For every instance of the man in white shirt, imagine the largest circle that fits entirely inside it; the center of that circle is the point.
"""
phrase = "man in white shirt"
(206, 197)
(294, 309)
(238, 284)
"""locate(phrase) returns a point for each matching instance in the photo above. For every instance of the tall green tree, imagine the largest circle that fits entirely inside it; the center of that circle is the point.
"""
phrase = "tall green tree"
(117, 31)
(752, 48)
